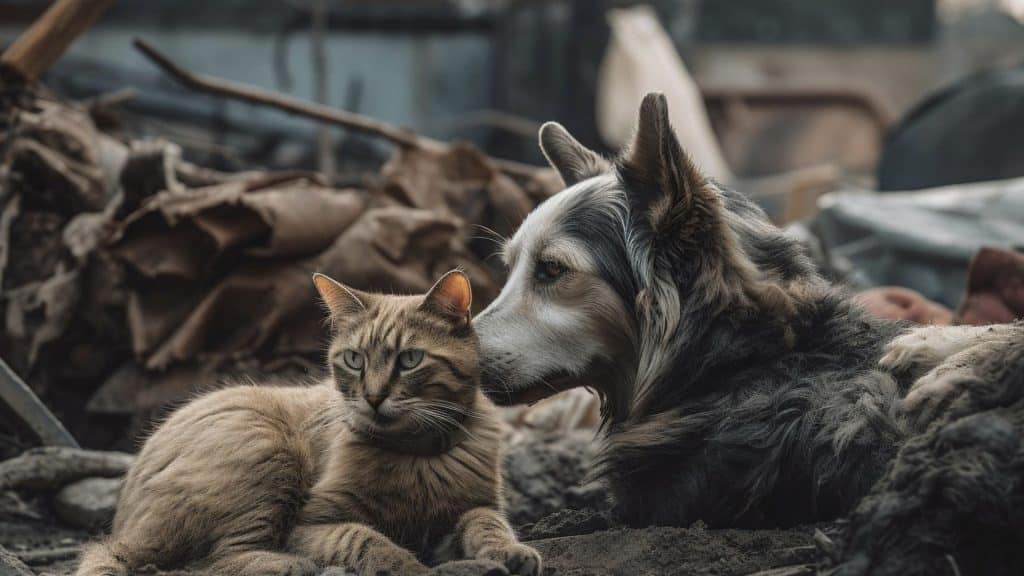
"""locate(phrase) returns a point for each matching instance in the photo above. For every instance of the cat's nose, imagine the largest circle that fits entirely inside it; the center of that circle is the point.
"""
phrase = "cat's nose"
(375, 400)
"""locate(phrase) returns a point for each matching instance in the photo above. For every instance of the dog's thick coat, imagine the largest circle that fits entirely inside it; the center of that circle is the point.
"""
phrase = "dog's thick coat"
(953, 500)
(739, 387)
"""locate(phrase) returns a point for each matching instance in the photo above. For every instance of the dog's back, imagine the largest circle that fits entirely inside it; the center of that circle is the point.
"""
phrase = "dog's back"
(953, 499)
(753, 429)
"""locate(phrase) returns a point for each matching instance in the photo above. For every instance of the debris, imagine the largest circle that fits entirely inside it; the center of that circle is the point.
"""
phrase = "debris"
(11, 565)
(826, 545)
(253, 95)
(801, 570)
(995, 288)
(693, 551)
(921, 240)
(131, 277)
(469, 568)
(899, 303)
(52, 467)
(40, 46)
(26, 406)
(540, 472)
(567, 523)
(49, 555)
(88, 503)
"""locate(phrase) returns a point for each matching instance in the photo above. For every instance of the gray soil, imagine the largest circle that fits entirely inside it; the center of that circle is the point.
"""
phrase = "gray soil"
(552, 512)
(672, 551)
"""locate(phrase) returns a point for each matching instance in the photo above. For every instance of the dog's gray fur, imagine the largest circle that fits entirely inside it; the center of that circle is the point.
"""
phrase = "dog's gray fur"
(751, 392)
(953, 500)
(740, 388)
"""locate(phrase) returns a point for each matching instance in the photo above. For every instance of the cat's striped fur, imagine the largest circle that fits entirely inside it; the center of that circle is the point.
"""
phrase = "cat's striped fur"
(380, 469)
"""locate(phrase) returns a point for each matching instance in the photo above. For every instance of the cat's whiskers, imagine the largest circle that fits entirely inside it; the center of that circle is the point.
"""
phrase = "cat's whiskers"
(440, 414)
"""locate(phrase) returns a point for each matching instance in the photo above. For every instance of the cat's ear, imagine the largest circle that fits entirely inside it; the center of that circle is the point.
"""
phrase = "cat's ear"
(341, 300)
(450, 297)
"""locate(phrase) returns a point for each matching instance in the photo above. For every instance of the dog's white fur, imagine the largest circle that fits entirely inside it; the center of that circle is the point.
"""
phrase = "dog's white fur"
(547, 337)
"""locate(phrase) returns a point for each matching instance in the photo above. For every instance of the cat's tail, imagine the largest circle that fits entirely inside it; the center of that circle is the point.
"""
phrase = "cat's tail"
(99, 559)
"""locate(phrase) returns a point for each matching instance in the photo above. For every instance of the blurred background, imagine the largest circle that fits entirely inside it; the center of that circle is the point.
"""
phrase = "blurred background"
(155, 234)
(787, 84)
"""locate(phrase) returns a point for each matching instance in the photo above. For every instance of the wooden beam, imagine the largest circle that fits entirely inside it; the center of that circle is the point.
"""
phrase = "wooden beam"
(32, 54)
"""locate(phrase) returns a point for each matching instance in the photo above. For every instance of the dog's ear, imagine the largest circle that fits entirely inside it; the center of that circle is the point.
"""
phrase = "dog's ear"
(573, 161)
(341, 300)
(661, 179)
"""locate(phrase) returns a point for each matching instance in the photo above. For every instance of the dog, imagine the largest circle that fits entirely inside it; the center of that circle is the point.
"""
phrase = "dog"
(738, 387)
(952, 502)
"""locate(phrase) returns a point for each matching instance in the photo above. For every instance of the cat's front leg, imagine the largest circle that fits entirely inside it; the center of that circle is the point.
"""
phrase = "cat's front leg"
(485, 535)
(355, 547)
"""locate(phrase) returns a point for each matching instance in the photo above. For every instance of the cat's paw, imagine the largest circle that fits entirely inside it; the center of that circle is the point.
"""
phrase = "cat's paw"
(518, 558)
(917, 351)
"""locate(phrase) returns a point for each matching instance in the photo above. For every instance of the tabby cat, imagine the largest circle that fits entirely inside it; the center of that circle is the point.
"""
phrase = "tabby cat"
(391, 463)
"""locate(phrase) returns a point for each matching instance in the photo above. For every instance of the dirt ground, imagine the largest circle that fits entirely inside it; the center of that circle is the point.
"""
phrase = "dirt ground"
(677, 551)
(545, 502)
(617, 552)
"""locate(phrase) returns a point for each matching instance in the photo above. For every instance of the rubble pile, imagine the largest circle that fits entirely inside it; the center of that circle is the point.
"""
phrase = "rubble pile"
(132, 277)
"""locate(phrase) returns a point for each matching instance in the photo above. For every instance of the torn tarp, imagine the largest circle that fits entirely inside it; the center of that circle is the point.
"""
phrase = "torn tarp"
(920, 240)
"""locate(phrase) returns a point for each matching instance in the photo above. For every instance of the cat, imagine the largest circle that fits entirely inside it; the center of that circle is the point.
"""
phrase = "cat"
(391, 462)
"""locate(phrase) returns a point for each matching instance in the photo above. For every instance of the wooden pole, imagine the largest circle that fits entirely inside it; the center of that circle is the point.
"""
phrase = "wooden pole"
(32, 54)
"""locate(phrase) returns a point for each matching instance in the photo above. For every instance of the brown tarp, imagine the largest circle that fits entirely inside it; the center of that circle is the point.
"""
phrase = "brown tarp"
(135, 278)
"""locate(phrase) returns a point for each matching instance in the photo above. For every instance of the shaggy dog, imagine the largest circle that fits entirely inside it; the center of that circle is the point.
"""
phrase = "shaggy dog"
(738, 387)
(953, 500)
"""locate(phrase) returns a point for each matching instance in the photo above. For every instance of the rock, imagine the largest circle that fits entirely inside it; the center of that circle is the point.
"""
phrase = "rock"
(567, 523)
(542, 474)
(10, 565)
(52, 467)
(88, 503)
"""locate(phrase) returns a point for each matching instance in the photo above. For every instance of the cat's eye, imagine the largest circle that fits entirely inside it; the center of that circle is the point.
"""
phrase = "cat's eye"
(410, 359)
(548, 271)
(353, 360)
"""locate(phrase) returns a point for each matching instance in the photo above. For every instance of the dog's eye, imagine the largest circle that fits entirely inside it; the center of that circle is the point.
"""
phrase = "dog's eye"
(410, 359)
(548, 271)
(353, 360)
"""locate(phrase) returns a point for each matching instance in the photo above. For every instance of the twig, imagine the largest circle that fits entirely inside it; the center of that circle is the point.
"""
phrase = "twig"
(11, 565)
(111, 99)
(48, 556)
(32, 54)
(53, 467)
(799, 570)
(826, 545)
(953, 565)
(400, 136)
